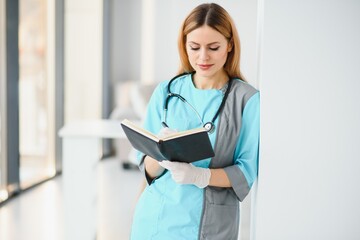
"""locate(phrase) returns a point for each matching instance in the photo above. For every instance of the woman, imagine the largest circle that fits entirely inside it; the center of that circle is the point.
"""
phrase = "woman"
(201, 200)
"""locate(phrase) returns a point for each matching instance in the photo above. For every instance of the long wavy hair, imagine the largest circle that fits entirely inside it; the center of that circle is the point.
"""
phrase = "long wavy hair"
(218, 18)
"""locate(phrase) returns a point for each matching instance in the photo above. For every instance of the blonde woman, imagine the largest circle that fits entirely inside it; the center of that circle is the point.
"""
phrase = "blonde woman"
(201, 200)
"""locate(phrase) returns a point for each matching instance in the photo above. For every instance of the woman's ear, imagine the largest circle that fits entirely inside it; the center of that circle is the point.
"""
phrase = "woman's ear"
(230, 45)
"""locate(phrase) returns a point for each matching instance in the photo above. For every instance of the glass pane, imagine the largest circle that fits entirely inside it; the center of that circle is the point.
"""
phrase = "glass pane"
(37, 160)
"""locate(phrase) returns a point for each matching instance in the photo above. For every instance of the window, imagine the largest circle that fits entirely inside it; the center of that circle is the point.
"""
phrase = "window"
(36, 92)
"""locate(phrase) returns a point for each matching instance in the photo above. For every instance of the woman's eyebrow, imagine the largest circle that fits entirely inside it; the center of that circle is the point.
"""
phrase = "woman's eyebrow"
(207, 44)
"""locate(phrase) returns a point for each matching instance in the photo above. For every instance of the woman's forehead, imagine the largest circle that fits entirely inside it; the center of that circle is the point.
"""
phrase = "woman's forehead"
(205, 35)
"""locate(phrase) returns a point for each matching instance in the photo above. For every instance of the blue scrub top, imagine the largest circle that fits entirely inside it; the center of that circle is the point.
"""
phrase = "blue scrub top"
(167, 210)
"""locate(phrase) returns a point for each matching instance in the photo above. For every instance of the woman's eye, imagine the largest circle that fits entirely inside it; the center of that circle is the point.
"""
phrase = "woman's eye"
(214, 48)
(210, 48)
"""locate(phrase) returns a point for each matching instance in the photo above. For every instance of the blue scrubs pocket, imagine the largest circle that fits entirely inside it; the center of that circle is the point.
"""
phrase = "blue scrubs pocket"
(145, 222)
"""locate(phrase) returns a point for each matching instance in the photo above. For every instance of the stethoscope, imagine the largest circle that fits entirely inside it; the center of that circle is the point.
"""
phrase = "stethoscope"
(209, 126)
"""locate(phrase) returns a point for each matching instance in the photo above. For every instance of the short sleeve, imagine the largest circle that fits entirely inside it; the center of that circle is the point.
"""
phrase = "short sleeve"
(244, 171)
(152, 119)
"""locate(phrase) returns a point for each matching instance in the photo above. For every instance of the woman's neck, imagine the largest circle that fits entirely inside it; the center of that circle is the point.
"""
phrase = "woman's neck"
(216, 81)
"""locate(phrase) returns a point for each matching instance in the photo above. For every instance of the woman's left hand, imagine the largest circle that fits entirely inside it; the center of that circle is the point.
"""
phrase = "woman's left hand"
(186, 173)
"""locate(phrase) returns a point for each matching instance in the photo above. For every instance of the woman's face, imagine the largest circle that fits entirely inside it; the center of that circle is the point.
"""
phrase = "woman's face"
(207, 50)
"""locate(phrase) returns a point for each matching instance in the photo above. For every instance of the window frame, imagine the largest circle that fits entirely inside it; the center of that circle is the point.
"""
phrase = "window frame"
(9, 94)
(3, 172)
(11, 115)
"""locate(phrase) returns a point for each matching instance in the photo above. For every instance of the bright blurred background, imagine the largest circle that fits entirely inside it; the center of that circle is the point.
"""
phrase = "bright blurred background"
(69, 61)
(74, 60)
(79, 60)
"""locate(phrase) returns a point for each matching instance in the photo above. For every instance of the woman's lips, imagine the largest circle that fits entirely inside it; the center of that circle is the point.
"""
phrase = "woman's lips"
(205, 66)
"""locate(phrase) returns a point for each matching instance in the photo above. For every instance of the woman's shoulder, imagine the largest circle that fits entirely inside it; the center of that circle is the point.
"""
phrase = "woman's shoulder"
(245, 93)
(162, 86)
(176, 82)
(243, 88)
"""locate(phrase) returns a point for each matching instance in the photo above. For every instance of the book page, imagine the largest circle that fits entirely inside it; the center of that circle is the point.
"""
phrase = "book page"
(140, 130)
(183, 133)
(156, 138)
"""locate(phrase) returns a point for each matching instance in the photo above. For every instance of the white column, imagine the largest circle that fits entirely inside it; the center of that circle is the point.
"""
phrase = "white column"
(309, 177)
(83, 59)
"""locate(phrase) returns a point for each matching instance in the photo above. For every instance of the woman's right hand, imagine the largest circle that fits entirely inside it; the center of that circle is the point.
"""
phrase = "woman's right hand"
(165, 132)
(152, 167)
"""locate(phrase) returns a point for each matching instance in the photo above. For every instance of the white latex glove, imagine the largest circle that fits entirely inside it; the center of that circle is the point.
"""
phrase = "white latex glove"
(165, 132)
(186, 173)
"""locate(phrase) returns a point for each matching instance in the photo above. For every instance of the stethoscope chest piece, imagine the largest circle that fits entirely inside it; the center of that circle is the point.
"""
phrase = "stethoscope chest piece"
(209, 126)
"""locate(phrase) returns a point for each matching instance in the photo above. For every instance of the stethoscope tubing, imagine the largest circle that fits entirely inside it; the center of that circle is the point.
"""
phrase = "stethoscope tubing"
(209, 126)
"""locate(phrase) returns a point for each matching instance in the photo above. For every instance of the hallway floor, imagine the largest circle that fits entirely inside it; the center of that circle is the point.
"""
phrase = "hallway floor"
(37, 214)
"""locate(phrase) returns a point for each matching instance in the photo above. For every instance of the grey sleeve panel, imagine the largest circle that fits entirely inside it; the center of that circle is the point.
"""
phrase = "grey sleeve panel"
(142, 169)
(141, 164)
(229, 125)
(241, 94)
(238, 181)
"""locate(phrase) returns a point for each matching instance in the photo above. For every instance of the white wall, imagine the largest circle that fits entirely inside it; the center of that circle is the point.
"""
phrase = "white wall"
(125, 40)
(83, 59)
(136, 46)
(168, 19)
(310, 121)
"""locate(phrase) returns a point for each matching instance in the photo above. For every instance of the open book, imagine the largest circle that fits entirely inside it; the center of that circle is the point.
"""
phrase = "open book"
(186, 146)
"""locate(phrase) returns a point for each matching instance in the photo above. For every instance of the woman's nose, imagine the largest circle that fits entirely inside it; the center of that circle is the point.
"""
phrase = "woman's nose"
(204, 55)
